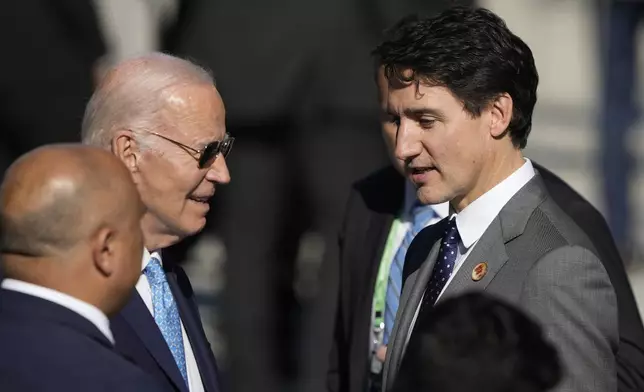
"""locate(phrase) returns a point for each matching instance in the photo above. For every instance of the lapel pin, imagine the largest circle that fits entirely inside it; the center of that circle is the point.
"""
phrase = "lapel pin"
(479, 271)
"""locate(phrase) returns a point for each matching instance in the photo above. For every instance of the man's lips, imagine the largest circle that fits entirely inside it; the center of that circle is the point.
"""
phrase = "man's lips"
(419, 175)
(201, 199)
(419, 170)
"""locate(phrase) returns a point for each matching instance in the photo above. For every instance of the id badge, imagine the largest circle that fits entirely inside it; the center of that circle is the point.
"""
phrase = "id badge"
(378, 334)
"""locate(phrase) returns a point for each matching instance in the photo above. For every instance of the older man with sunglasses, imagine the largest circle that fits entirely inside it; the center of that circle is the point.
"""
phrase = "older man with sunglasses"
(163, 117)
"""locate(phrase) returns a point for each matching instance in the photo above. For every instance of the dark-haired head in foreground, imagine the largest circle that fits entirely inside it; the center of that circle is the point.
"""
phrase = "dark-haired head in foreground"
(478, 343)
(459, 93)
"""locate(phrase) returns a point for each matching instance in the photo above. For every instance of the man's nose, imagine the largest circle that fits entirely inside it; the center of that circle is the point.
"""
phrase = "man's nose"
(408, 144)
(218, 171)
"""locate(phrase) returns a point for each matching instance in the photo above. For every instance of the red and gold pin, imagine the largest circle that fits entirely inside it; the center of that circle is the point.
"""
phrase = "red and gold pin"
(479, 271)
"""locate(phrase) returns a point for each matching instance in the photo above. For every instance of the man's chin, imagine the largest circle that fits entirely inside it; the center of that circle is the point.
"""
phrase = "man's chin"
(429, 196)
(185, 229)
(195, 227)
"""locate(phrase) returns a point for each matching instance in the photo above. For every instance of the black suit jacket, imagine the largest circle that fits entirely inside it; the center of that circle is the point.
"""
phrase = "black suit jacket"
(47, 347)
(138, 337)
(372, 207)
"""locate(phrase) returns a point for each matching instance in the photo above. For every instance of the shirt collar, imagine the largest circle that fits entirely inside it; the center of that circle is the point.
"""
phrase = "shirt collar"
(88, 311)
(476, 217)
(442, 209)
(147, 256)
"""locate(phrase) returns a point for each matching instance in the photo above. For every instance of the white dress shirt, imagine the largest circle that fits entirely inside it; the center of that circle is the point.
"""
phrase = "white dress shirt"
(143, 288)
(477, 217)
(93, 314)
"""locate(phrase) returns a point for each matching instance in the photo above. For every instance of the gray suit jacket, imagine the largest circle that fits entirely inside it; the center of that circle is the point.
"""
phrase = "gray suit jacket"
(538, 259)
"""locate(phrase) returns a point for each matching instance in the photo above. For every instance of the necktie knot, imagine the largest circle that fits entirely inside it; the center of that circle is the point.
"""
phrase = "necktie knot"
(154, 272)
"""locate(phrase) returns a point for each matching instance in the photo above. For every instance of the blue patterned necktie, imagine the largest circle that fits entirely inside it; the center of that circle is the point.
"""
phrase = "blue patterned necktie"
(166, 313)
(421, 216)
(444, 264)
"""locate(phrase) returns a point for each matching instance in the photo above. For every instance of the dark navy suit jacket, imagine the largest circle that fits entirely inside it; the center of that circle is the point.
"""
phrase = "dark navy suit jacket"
(138, 337)
(47, 347)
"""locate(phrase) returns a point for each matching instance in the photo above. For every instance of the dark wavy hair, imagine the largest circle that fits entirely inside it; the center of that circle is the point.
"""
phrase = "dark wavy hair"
(475, 342)
(471, 52)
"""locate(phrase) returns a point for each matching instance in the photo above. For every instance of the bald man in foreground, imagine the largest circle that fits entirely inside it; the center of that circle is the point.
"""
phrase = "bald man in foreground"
(71, 247)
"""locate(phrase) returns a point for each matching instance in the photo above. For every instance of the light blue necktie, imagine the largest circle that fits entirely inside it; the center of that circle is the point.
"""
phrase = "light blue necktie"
(166, 313)
(421, 216)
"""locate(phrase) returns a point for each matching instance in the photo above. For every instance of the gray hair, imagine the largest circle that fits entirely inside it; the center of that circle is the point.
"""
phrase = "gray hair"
(130, 96)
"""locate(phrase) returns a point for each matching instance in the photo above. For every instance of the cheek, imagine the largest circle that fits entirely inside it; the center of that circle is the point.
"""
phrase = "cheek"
(156, 174)
(454, 156)
(171, 181)
(185, 174)
(440, 149)
(467, 159)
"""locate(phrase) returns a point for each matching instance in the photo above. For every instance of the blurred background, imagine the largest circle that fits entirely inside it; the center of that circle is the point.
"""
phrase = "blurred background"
(297, 81)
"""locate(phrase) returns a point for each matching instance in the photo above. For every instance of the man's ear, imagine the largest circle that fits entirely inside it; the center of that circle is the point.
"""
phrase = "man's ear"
(501, 115)
(103, 251)
(124, 146)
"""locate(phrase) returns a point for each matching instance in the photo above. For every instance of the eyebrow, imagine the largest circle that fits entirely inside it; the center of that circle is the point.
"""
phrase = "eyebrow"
(203, 143)
(419, 112)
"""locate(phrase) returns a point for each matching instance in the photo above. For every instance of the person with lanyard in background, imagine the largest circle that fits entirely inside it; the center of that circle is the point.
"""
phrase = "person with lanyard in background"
(413, 218)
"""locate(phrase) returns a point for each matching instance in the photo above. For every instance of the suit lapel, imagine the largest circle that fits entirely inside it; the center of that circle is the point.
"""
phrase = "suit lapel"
(137, 315)
(413, 292)
(416, 295)
(490, 249)
(191, 323)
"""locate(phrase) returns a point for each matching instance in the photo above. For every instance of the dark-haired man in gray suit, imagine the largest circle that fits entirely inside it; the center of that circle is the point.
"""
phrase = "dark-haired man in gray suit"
(461, 91)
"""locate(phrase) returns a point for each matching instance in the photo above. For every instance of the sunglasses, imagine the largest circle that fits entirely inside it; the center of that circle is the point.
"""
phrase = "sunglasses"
(206, 155)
